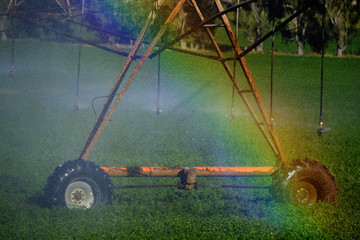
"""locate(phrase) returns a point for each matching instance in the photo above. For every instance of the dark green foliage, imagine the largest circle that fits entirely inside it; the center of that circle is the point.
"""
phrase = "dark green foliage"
(39, 131)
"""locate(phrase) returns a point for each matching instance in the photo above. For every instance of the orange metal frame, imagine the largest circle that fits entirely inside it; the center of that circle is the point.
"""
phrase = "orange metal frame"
(260, 116)
(200, 171)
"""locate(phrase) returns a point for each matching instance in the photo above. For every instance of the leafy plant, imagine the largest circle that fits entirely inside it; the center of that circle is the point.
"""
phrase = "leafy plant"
(39, 131)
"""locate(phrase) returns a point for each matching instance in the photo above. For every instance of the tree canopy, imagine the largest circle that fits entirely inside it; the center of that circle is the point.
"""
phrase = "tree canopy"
(121, 21)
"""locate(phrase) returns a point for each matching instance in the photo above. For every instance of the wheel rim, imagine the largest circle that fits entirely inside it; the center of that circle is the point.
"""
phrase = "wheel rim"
(304, 193)
(80, 194)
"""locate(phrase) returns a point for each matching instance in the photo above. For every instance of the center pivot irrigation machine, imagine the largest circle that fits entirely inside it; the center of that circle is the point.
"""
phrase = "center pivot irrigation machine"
(81, 183)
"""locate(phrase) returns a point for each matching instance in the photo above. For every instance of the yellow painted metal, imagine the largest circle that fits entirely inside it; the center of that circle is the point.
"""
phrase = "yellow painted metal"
(262, 121)
(199, 171)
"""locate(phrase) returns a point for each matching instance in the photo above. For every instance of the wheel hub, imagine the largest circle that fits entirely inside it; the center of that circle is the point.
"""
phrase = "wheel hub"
(304, 193)
(79, 194)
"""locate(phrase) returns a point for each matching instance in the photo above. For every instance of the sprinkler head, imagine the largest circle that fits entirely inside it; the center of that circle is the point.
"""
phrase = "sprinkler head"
(232, 115)
(11, 70)
(158, 111)
(322, 130)
(76, 108)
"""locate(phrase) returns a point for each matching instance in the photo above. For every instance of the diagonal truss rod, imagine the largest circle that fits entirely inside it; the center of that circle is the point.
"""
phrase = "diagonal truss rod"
(70, 36)
(232, 76)
(199, 26)
(108, 108)
(266, 129)
(268, 132)
(270, 33)
(264, 125)
(103, 116)
(243, 53)
(263, 121)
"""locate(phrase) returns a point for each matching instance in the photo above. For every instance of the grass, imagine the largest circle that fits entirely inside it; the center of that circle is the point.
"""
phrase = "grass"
(39, 131)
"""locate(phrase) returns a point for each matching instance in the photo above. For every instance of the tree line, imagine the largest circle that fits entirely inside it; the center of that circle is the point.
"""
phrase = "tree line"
(120, 21)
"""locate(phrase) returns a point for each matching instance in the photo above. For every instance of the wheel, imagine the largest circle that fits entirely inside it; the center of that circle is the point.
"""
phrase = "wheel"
(304, 182)
(78, 184)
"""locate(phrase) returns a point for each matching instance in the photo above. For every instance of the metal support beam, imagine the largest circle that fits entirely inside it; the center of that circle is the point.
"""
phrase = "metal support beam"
(100, 120)
(107, 111)
(274, 141)
(110, 106)
(269, 34)
(197, 185)
(199, 171)
(199, 26)
(275, 145)
(78, 39)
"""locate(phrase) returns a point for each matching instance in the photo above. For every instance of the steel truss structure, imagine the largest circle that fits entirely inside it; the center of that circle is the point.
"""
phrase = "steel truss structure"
(304, 181)
(262, 120)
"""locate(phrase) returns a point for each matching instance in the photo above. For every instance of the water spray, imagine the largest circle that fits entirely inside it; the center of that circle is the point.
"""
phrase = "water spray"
(232, 116)
(158, 109)
(13, 45)
(76, 106)
(321, 129)
(302, 181)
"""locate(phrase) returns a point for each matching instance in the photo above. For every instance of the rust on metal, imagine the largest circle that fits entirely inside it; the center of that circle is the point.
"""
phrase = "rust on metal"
(274, 141)
(114, 98)
(101, 119)
(233, 186)
(106, 113)
(198, 185)
(199, 171)
(199, 26)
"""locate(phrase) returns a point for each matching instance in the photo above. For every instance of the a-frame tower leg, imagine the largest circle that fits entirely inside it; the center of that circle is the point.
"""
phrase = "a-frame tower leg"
(109, 107)
(264, 125)
(263, 121)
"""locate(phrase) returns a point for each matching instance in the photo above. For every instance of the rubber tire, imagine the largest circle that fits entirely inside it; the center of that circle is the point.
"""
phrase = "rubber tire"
(82, 174)
(303, 182)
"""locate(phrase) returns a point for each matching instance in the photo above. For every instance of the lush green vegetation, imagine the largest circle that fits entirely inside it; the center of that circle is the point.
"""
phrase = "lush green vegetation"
(40, 130)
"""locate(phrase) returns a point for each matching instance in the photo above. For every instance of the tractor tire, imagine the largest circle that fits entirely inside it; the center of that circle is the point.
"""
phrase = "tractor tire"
(304, 182)
(78, 184)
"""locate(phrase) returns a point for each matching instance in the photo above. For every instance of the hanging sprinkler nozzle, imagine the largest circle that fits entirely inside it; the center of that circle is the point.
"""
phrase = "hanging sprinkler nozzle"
(321, 129)
(76, 108)
(11, 70)
(158, 109)
(232, 115)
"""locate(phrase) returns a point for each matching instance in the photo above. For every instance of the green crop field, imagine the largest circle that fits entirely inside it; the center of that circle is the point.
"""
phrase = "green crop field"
(39, 130)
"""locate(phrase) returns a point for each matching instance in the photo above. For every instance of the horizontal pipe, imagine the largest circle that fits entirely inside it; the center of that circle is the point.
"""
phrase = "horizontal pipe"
(122, 53)
(143, 186)
(234, 186)
(112, 33)
(199, 54)
(199, 185)
(200, 171)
